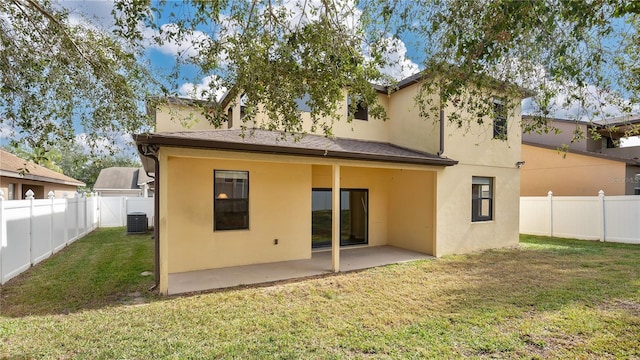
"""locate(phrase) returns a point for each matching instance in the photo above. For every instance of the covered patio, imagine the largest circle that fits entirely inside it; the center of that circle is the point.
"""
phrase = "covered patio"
(320, 263)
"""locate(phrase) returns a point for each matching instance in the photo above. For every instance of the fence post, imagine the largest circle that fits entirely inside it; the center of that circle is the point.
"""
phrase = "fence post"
(123, 214)
(77, 232)
(602, 222)
(3, 233)
(550, 198)
(86, 210)
(30, 194)
(65, 196)
(51, 195)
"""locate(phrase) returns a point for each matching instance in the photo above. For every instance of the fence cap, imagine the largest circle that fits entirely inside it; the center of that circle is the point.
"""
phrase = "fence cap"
(29, 194)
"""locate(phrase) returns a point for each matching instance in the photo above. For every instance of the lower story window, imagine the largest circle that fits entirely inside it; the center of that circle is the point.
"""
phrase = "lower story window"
(482, 199)
(231, 202)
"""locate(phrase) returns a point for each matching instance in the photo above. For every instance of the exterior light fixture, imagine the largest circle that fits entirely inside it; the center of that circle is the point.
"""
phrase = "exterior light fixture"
(519, 164)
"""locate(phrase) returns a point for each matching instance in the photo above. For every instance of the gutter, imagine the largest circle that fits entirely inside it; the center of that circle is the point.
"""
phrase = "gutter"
(163, 140)
(151, 152)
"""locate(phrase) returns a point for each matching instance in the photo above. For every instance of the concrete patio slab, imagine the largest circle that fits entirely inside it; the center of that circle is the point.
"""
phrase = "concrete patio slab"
(320, 263)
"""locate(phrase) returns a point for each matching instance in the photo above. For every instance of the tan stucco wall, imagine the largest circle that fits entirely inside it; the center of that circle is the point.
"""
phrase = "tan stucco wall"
(412, 210)
(456, 233)
(569, 174)
(473, 144)
(567, 132)
(407, 128)
(170, 118)
(279, 208)
(23, 184)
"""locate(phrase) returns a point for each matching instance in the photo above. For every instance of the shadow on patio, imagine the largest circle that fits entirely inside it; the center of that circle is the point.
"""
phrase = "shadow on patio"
(320, 263)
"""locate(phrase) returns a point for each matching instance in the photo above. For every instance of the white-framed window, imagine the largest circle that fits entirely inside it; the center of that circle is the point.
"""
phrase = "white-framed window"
(481, 199)
(231, 200)
(499, 120)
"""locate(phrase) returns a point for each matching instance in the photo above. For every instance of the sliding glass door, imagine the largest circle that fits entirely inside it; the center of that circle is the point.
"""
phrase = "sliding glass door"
(354, 205)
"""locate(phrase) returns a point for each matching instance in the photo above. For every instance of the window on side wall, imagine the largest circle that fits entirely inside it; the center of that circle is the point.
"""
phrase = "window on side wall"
(361, 111)
(231, 200)
(499, 120)
(481, 199)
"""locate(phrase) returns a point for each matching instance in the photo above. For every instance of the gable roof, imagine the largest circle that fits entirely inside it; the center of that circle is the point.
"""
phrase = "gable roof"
(12, 165)
(585, 153)
(276, 142)
(121, 178)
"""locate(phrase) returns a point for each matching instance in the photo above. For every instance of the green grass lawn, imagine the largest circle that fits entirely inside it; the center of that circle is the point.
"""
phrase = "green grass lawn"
(549, 298)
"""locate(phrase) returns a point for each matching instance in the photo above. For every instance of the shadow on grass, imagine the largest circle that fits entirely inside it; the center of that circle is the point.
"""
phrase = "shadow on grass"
(100, 270)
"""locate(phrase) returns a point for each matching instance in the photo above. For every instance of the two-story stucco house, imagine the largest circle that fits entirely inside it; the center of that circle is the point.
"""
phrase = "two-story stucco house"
(225, 201)
(587, 166)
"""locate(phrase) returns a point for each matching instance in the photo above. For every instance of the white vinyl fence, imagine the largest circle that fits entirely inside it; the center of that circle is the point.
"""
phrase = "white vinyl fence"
(114, 210)
(603, 218)
(32, 230)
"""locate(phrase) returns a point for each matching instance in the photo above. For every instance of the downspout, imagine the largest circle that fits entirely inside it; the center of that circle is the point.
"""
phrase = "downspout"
(441, 151)
(151, 151)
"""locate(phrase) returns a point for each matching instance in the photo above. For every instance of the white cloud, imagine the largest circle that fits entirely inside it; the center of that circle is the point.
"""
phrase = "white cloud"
(595, 104)
(398, 66)
(210, 85)
(95, 13)
(188, 46)
(117, 143)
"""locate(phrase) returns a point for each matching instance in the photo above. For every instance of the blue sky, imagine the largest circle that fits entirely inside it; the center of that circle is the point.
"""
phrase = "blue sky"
(98, 12)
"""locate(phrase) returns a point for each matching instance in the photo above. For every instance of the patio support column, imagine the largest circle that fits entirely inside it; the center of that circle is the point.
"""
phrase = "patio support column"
(335, 219)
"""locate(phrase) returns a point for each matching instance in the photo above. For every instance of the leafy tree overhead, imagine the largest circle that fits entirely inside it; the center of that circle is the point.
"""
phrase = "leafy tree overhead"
(275, 52)
(59, 76)
(583, 51)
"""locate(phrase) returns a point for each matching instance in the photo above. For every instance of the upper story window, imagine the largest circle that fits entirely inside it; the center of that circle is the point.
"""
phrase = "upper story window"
(302, 103)
(500, 120)
(361, 111)
(230, 118)
(231, 202)
(481, 199)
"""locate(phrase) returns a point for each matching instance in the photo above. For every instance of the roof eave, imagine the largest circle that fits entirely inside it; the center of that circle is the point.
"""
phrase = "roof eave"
(279, 150)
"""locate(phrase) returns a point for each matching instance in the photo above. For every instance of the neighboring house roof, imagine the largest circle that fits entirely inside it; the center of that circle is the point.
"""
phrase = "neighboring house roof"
(620, 120)
(121, 178)
(585, 153)
(276, 142)
(12, 166)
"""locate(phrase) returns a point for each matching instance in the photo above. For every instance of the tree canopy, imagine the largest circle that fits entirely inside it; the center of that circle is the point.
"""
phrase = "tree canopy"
(55, 72)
